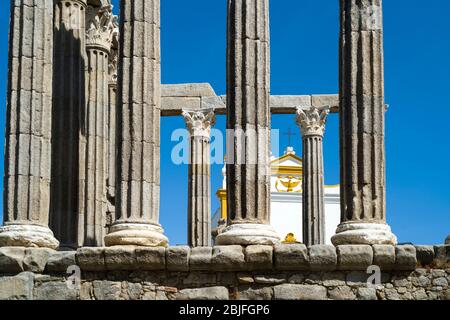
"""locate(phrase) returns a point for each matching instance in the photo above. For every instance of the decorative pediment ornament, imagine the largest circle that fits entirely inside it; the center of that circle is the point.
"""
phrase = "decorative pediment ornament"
(312, 121)
(199, 122)
(102, 27)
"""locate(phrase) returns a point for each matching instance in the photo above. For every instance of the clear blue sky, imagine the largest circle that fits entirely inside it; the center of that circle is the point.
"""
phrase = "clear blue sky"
(305, 61)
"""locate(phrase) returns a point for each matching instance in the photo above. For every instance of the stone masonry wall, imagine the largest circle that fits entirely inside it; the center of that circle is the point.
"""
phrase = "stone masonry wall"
(282, 272)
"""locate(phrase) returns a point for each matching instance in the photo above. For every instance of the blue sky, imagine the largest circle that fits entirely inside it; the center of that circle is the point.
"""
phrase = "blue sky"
(305, 61)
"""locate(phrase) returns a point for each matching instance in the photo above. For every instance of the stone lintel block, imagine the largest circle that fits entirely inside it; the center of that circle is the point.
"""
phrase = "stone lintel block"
(384, 256)
(187, 90)
(178, 103)
(121, 258)
(291, 257)
(324, 100)
(228, 258)
(354, 257)
(322, 258)
(151, 259)
(177, 258)
(11, 259)
(211, 293)
(91, 259)
(442, 256)
(405, 258)
(61, 261)
(200, 259)
(425, 255)
(258, 257)
(36, 259)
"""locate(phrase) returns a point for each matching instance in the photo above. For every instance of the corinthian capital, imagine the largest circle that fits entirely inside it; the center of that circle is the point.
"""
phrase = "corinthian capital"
(102, 27)
(199, 122)
(312, 121)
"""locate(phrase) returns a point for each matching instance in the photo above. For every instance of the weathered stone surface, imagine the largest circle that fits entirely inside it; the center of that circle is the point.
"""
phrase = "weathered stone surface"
(384, 256)
(151, 258)
(341, 293)
(11, 259)
(259, 257)
(91, 259)
(107, 290)
(36, 259)
(323, 258)
(61, 261)
(405, 258)
(367, 294)
(199, 123)
(200, 259)
(254, 293)
(19, 287)
(121, 258)
(299, 292)
(291, 257)
(228, 258)
(354, 257)
(248, 93)
(362, 102)
(68, 131)
(28, 134)
(177, 258)
(312, 127)
(138, 136)
(425, 255)
(272, 279)
(442, 256)
(56, 291)
(212, 293)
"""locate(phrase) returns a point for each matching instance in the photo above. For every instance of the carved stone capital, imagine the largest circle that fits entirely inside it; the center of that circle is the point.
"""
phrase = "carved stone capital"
(102, 28)
(199, 122)
(312, 121)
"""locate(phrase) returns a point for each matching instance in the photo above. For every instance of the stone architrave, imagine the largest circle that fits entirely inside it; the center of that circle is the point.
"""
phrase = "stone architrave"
(102, 28)
(138, 127)
(248, 125)
(312, 126)
(28, 129)
(199, 124)
(362, 126)
(69, 104)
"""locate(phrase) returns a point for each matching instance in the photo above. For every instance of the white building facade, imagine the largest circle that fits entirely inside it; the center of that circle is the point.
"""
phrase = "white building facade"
(286, 200)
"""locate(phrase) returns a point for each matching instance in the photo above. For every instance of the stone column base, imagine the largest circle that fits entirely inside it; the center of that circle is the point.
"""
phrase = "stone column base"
(30, 236)
(248, 234)
(364, 233)
(133, 234)
(447, 241)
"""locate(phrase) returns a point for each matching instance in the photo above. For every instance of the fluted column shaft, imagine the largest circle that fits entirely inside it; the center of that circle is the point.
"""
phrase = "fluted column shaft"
(312, 126)
(139, 96)
(68, 116)
(101, 29)
(362, 114)
(112, 154)
(28, 128)
(199, 207)
(248, 120)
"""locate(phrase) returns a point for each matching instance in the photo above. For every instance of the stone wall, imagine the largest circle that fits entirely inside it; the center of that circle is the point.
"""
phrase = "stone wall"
(256, 272)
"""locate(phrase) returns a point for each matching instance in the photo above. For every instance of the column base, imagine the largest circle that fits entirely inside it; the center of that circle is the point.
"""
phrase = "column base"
(29, 236)
(248, 234)
(447, 241)
(363, 233)
(132, 234)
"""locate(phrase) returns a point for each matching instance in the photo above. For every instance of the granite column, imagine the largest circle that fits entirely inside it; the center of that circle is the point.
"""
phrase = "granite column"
(28, 127)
